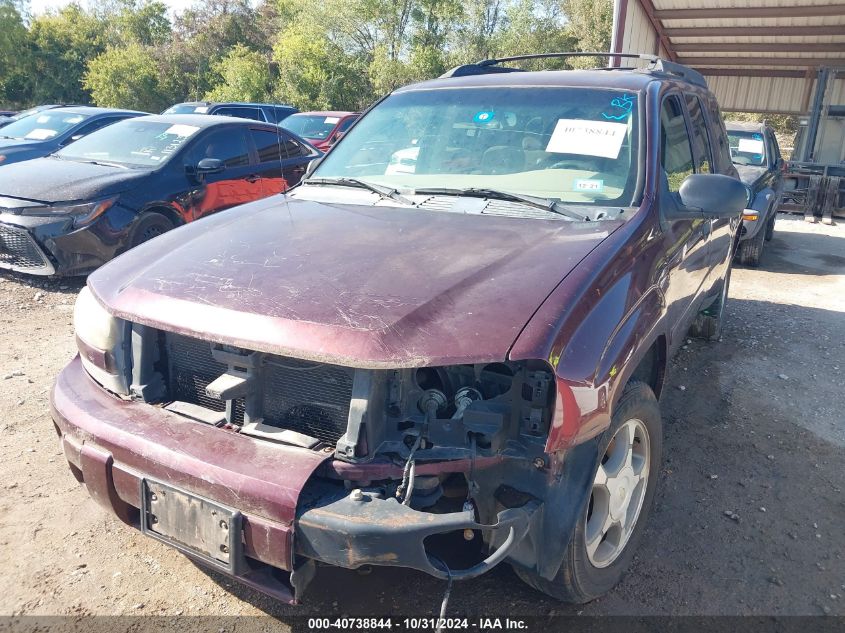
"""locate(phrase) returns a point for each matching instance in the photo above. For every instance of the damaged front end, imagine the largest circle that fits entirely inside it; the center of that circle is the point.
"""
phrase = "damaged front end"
(439, 469)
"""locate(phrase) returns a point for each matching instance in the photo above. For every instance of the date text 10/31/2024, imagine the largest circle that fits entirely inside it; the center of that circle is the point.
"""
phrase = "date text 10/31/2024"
(417, 624)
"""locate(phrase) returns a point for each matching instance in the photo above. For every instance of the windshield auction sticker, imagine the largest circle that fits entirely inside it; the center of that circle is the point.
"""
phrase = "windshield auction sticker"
(588, 138)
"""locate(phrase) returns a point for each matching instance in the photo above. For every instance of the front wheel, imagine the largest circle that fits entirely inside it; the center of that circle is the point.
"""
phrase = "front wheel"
(770, 228)
(606, 537)
(148, 226)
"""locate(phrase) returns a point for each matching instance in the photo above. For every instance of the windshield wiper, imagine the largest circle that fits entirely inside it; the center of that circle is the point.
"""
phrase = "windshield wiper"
(97, 162)
(384, 192)
(548, 204)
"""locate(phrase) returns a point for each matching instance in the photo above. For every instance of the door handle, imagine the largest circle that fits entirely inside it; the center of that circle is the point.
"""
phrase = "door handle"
(253, 178)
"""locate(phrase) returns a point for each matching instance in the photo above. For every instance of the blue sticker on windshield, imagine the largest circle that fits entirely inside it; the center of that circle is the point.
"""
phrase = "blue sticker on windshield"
(620, 108)
(485, 116)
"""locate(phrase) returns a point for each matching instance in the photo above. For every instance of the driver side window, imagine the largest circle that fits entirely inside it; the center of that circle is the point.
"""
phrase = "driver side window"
(228, 145)
(675, 150)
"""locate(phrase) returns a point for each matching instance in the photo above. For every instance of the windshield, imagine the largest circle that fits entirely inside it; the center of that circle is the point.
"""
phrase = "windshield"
(188, 108)
(747, 148)
(42, 125)
(574, 145)
(131, 143)
(310, 125)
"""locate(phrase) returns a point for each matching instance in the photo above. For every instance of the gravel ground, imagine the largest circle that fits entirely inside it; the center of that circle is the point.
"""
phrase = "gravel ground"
(749, 514)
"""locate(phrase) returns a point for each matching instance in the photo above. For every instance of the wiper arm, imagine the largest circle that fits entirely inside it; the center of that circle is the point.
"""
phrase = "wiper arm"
(99, 162)
(384, 192)
(547, 204)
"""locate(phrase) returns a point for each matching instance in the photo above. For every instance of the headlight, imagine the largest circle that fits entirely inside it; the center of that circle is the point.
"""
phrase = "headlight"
(82, 214)
(749, 197)
(100, 339)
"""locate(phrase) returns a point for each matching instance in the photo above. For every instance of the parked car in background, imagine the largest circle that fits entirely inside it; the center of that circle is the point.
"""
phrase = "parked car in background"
(756, 156)
(441, 368)
(5, 120)
(45, 132)
(321, 129)
(267, 112)
(8, 113)
(72, 211)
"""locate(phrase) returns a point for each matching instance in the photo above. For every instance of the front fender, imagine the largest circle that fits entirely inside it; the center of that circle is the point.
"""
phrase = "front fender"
(763, 203)
(619, 344)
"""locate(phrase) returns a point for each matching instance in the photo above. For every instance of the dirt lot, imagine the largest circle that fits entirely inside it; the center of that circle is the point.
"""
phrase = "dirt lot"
(754, 426)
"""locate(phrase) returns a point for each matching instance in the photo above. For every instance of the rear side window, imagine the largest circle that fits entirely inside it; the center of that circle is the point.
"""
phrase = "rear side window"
(292, 149)
(267, 144)
(244, 113)
(675, 150)
(93, 126)
(701, 142)
(721, 149)
(228, 145)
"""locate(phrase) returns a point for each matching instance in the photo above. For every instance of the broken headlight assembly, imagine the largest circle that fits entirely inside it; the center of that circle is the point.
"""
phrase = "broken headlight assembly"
(100, 338)
(452, 412)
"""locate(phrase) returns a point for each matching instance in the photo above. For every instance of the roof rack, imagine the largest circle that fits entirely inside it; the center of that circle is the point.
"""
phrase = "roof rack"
(656, 64)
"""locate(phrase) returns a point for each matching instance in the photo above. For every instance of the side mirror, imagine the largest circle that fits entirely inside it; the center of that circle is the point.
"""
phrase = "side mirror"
(311, 167)
(714, 196)
(336, 138)
(209, 166)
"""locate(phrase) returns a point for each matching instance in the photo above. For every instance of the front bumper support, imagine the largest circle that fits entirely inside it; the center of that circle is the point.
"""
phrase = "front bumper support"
(350, 533)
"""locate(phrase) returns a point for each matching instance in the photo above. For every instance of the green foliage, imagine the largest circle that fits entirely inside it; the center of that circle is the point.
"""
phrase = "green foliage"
(125, 77)
(13, 40)
(63, 43)
(327, 54)
(245, 76)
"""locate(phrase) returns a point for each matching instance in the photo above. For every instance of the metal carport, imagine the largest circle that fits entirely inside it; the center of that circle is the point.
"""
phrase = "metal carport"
(764, 56)
(757, 56)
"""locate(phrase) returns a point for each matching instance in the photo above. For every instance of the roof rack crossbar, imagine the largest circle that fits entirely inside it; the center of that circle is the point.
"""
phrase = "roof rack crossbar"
(656, 64)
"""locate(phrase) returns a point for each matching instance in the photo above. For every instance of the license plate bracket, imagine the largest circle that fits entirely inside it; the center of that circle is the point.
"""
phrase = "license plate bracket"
(196, 526)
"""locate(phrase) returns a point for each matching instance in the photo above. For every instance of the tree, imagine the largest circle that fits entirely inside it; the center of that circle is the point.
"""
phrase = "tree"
(316, 73)
(13, 41)
(245, 75)
(143, 23)
(64, 42)
(126, 77)
(591, 26)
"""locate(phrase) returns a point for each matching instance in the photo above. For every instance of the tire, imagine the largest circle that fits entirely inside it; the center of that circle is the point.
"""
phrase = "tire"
(749, 251)
(708, 323)
(770, 227)
(148, 226)
(584, 576)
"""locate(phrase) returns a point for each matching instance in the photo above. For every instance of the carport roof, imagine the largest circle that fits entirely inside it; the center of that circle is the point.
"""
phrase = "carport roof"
(746, 39)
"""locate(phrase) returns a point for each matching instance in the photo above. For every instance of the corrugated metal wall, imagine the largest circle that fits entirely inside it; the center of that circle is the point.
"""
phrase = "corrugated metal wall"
(776, 95)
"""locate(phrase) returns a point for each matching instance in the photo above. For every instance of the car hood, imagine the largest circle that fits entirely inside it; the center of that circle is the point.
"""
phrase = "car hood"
(750, 174)
(364, 286)
(50, 180)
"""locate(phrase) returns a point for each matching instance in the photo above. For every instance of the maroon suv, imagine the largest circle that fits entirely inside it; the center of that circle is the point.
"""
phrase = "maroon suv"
(449, 341)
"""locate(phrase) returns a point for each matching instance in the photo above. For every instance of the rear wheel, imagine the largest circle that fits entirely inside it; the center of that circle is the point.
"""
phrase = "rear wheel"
(606, 537)
(148, 226)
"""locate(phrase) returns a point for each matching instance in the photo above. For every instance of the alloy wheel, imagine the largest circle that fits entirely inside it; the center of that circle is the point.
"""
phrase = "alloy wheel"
(618, 493)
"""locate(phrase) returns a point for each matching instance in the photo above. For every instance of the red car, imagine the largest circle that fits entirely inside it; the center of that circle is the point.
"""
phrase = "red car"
(321, 129)
(444, 367)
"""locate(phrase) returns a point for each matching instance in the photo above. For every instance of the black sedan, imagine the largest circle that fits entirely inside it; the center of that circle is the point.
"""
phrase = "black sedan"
(47, 131)
(71, 212)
